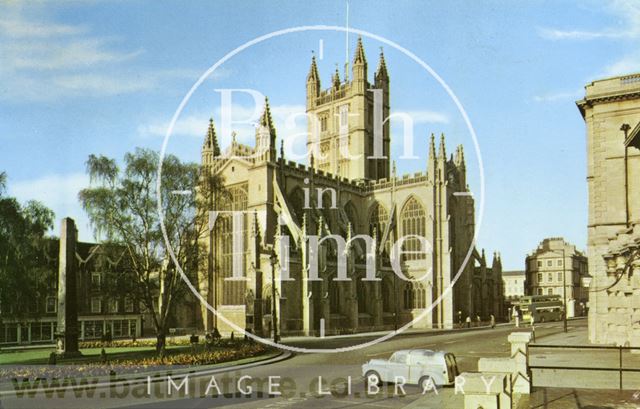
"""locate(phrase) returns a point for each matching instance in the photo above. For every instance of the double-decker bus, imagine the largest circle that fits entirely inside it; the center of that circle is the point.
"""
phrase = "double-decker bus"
(542, 308)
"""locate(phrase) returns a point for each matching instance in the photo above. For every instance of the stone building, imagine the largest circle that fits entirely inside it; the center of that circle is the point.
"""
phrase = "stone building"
(556, 267)
(487, 289)
(105, 300)
(102, 306)
(514, 284)
(288, 202)
(611, 111)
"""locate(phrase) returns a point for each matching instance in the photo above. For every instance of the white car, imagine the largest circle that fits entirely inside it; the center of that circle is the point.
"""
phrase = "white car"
(421, 367)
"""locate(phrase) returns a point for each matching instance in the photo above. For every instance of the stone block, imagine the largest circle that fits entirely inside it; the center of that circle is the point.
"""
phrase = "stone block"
(487, 390)
(521, 383)
(483, 383)
(496, 365)
(519, 342)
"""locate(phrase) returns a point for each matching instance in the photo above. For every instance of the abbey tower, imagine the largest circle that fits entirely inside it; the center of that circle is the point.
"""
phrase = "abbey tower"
(286, 203)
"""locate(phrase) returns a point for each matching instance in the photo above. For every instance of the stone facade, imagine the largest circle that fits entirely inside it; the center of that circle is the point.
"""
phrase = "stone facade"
(99, 308)
(514, 284)
(487, 289)
(611, 111)
(286, 202)
(554, 267)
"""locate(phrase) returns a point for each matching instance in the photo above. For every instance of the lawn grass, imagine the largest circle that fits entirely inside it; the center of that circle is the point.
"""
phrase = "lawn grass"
(40, 356)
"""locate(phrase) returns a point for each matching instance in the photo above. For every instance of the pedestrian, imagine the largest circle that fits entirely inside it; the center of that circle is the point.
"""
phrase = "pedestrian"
(478, 320)
(493, 321)
(468, 321)
(516, 317)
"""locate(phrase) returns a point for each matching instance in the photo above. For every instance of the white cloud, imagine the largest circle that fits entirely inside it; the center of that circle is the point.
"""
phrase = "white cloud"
(59, 192)
(195, 125)
(559, 96)
(628, 11)
(555, 34)
(191, 126)
(626, 65)
(38, 55)
(45, 61)
(20, 28)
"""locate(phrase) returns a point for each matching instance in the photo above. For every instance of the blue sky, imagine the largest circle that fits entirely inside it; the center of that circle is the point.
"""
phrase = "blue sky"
(82, 77)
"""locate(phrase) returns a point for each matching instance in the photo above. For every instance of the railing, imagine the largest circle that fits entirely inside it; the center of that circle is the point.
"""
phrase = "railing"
(618, 367)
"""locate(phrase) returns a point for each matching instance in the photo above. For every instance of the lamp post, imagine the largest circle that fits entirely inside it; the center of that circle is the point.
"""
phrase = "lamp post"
(564, 289)
(274, 319)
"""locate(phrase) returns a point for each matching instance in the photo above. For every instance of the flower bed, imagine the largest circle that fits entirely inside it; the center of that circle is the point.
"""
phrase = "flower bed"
(172, 361)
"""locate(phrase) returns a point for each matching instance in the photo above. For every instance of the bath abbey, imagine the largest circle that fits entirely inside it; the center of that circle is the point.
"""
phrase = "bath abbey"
(343, 244)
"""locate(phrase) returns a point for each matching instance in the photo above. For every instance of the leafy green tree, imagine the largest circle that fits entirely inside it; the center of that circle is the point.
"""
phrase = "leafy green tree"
(24, 273)
(122, 205)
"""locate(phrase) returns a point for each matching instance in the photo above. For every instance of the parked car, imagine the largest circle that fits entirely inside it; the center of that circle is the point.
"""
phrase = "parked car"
(415, 366)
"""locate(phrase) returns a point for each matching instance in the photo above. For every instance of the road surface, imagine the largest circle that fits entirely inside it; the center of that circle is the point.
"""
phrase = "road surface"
(294, 382)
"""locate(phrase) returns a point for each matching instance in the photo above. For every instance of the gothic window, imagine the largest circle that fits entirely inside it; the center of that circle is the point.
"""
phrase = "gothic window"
(328, 211)
(415, 296)
(378, 218)
(344, 118)
(296, 200)
(323, 123)
(351, 213)
(387, 296)
(408, 296)
(413, 219)
(334, 296)
(361, 291)
(266, 295)
(233, 291)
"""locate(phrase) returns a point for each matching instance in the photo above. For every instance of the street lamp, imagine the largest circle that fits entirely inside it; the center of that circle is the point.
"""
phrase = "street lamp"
(274, 319)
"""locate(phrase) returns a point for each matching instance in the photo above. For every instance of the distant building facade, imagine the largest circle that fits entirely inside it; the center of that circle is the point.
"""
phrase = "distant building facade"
(106, 302)
(611, 111)
(556, 267)
(346, 198)
(100, 310)
(514, 284)
(487, 288)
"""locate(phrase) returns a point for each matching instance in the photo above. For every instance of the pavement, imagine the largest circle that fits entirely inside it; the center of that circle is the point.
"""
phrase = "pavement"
(590, 389)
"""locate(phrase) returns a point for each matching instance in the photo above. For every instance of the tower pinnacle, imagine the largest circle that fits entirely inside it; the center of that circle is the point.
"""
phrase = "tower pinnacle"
(432, 147)
(313, 71)
(211, 140)
(359, 57)
(266, 120)
(442, 150)
(336, 78)
(381, 72)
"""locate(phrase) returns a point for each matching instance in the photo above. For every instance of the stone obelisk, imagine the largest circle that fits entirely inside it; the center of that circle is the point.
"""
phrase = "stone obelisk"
(67, 331)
